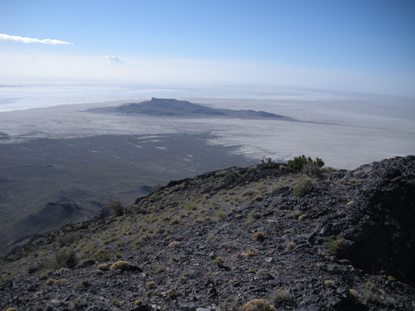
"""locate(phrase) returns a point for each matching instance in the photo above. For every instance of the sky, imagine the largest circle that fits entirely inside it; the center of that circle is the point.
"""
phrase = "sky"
(362, 46)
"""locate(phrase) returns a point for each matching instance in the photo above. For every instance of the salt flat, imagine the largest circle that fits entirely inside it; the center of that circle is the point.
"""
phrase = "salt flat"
(67, 155)
(346, 130)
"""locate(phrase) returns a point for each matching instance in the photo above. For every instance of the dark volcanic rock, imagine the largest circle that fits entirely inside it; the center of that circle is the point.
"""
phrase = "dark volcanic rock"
(193, 245)
(384, 233)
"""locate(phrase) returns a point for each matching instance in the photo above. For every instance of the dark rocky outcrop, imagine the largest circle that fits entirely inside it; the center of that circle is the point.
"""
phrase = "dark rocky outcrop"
(224, 238)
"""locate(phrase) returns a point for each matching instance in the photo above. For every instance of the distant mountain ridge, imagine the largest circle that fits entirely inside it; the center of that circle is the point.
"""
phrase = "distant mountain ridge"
(169, 107)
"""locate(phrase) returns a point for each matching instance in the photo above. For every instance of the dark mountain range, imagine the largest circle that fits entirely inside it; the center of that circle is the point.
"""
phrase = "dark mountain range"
(265, 237)
(180, 108)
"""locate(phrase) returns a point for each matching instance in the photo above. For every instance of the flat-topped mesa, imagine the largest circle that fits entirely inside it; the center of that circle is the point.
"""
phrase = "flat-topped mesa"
(169, 107)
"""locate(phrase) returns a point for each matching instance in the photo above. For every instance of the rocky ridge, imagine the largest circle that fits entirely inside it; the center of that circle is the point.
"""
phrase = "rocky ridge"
(334, 240)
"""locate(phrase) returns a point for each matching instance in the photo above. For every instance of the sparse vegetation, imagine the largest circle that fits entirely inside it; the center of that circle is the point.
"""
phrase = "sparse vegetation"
(296, 213)
(117, 208)
(328, 283)
(219, 261)
(151, 284)
(69, 238)
(335, 244)
(301, 217)
(268, 163)
(234, 282)
(190, 206)
(312, 169)
(66, 257)
(138, 302)
(249, 253)
(221, 213)
(102, 256)
(263, 274)
(250, 218)
(282, 295)
(220, 252)
(115, 301)
(171, 294)
(174, 244)
(104, 266)
(120, 265)
(258, 305)
(298, 163)
(354, 294)
(303, 186)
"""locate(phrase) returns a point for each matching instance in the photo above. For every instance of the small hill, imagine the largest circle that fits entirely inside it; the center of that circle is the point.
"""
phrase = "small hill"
(167, 107)
(300, 238)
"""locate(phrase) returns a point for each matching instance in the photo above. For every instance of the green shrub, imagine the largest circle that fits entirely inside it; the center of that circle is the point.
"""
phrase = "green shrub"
(298, 163)
(219, 261)
(250, 218)
(312, 169)
(268, 163)
(282, 296)
(66, 258)
(303, 186)
(335, 244)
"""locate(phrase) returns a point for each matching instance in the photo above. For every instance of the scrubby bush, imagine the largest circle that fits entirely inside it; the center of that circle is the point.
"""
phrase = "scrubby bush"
(329, 283)
(335, 244)
(312, 169)
(120, 265)
(104, 266)
(69, 238)
(268, 163)
(219, 261)
(258, 305)
(303, 186)
(282, 296)
(250, 218)
(298, 163)
(117, 208)
(66, 258)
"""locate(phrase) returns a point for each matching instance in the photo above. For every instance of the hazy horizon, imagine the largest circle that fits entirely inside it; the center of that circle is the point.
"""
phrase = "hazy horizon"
(353, 46)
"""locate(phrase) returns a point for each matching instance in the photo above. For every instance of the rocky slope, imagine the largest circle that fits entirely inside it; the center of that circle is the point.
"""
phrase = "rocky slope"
(338, 240)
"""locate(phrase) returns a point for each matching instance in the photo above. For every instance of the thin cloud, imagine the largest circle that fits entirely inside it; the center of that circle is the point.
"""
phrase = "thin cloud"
(115, 60)
(5, 37)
